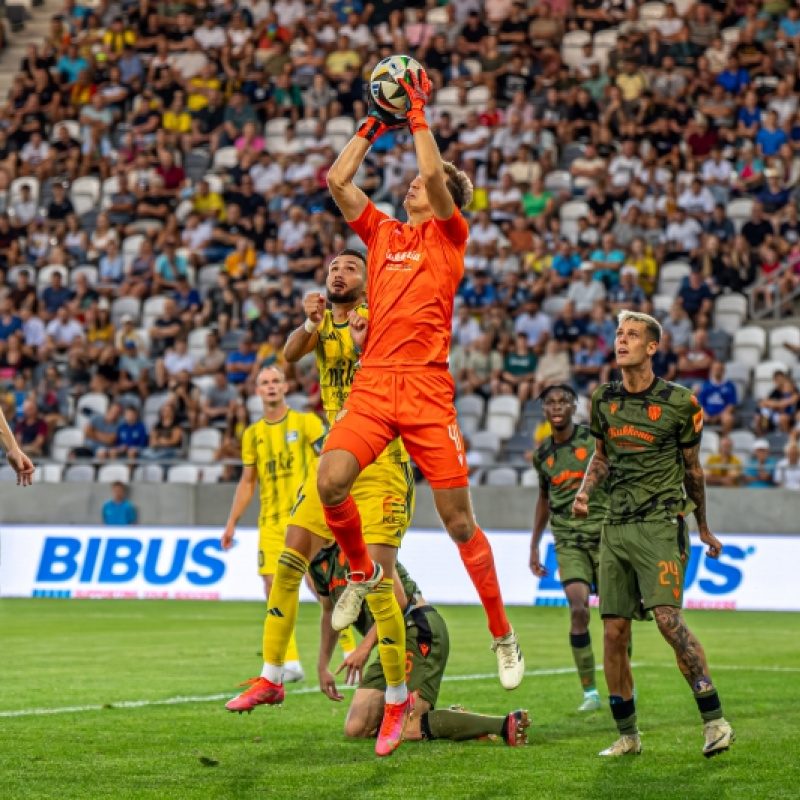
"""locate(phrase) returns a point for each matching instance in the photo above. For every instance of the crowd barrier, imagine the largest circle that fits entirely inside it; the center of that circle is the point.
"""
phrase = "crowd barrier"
(755, 572)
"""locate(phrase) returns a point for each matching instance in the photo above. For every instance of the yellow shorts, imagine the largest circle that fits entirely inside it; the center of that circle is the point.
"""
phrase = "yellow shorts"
(384, 494)
(271, 542)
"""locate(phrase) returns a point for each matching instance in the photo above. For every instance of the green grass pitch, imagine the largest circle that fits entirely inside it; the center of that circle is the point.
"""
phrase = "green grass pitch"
(57, 654)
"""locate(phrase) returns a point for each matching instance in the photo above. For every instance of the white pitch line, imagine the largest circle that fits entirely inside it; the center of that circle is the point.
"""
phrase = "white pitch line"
(173, 701)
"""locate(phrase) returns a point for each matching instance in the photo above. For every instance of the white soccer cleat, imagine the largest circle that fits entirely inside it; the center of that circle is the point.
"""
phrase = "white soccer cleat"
(624, 746)
(591, 701)
(719, 737)
(510, 661)
(348, 608)
(293, 672)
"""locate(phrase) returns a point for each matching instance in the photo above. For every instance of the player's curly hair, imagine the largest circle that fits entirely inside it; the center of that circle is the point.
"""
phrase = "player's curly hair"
(458, 184)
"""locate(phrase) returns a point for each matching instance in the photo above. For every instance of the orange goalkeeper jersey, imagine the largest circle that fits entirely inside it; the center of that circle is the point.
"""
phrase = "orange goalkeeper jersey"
(412, 277)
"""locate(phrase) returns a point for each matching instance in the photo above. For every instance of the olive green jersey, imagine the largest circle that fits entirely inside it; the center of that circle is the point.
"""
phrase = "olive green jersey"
(329, 571)
(561, 468)
(644, 434)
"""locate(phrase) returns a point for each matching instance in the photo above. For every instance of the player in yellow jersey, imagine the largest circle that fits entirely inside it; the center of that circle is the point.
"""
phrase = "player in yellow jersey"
(277, 452)
(384, 492)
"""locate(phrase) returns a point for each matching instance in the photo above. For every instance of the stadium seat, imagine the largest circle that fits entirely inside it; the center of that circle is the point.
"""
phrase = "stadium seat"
(83, 204)
(777, 442)
(207, 278)
(506, 405)
(743, 441)
(472, 404)
(88, 187)
(478, 95)
(502, 476)
(476, 477)
(65, 441)
(215, 183)
(474, 66)
(740, 375)
(710, 442)
(749, 345)
(255, 408)
(763, 382)
(46, 275)
(88, 270)
(225, 158)
(111, 473)
(572, 152)
(730, 36)
(502, 416)
(276, 127)
(739, 211)
(79, 473)
(201, 455)
(385, 208)
(206, 437)
(152, 309)
(154, 403)
(516, 448)
(447, 96)
(298, 401)
(183, 473)
(572, 47)
(662, 303)
(468, 424)
(14, 194)
(558, 181)
(573, 210)
(553, 306)
(671, 276)
(530, 478)
(778, 337)
(131, 245)
(122, 306)
(196, 342)
(71, 125)
(651, 13)
(50, 473)
(487, 444)
(211, 473)
(148, 473)
(91, 404)
(341, 126)
(306, 127)
(7, 474)
(146, 226)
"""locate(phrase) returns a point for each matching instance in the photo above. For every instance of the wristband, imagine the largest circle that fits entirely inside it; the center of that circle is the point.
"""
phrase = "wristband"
(416, 120)
(311, 326)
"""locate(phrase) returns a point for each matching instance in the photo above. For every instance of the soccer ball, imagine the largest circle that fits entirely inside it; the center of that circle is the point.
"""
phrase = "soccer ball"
(383, 86)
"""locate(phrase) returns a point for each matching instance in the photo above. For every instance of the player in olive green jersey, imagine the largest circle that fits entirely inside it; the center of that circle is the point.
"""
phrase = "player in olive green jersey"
(648, 444)
(427, 649)
(561, 462)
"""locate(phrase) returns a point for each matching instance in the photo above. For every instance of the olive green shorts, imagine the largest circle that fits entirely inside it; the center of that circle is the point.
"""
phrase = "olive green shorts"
(642, 564)
(427, 650)
(578, 564)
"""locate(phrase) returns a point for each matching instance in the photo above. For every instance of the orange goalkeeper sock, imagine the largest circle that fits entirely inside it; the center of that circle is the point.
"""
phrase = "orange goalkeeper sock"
(345, 524)
(479, 561)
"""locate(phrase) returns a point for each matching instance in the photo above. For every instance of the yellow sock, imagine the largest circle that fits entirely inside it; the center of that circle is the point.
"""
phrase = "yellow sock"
(292, 653)
(391, 631)
(347, 641)
(284, 600)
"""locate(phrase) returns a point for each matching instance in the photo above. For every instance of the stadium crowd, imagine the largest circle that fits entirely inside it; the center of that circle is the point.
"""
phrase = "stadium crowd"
(164, 210)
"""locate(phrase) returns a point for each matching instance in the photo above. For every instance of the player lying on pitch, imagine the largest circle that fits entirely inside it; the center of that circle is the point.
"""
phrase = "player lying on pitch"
(427, 650)
(384, 494)
(404, 387)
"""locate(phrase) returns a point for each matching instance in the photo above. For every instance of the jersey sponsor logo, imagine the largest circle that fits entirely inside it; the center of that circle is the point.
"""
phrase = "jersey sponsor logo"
(631, 431)
(567, 475)
(394, 511)
(403, 255)
(654, 412)
(698, 421)
(581, 453)
(291, 436)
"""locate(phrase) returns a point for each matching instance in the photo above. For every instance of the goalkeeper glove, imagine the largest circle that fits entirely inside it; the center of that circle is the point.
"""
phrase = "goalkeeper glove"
(418, 89)
(379, 121)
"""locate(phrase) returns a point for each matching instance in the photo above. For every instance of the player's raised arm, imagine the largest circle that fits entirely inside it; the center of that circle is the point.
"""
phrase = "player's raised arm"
(429, 159)
(303, 340)
(350, 199)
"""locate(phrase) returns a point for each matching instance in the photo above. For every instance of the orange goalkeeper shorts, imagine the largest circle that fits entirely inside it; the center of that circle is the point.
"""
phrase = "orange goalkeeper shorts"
(418, 406)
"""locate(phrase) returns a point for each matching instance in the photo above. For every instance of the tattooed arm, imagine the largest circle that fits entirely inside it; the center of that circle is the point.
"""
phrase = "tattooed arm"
(596, 473)
(695, 485)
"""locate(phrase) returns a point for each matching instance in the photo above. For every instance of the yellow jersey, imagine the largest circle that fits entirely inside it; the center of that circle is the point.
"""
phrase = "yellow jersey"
(336, 363)
(281, 452)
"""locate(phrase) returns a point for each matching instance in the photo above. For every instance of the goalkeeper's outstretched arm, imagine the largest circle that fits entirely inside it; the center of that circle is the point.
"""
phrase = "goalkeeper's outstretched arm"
(350, 199)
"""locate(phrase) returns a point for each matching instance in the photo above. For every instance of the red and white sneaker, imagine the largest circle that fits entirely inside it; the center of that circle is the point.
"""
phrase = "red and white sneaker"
(261, 692)
(517, 723)
(395, 718)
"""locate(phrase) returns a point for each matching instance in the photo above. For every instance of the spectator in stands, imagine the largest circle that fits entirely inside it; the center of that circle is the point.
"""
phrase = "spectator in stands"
(535, 324)
(131, 436)
(55, 296)
(584, 292)
(519, 370)
(482, 369)
(176, 360)
(220, 400)
(52, 399)
(236, 423)
(588, 363)
(760, 470)
(553, 367)
(694, 363)
(100, 433)
(776, 411)
(213, 360)
(695, 294)
(718, 399)
(165, 329)
(627, 294)
(64, 330)
(165, 438)
(239, 363)
(567, 328)
(118, 510)
(134, 368)
(466, 329)
(723, 468)
(787, 470)
(31, 431)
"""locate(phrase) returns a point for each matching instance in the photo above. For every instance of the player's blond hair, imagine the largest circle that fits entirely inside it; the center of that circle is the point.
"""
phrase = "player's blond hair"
(651, 324)
(458, 184)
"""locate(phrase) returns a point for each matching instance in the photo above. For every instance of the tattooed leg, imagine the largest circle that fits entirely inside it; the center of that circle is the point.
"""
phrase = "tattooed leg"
(688, 651)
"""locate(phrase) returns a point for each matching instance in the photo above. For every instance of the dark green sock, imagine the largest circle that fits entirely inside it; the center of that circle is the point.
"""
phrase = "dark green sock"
(707, 699)
(458, 726)
(624, 713)
(584, 659)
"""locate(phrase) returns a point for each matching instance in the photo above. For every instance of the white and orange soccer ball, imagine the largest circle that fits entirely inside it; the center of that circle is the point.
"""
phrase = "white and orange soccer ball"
(384, 89)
